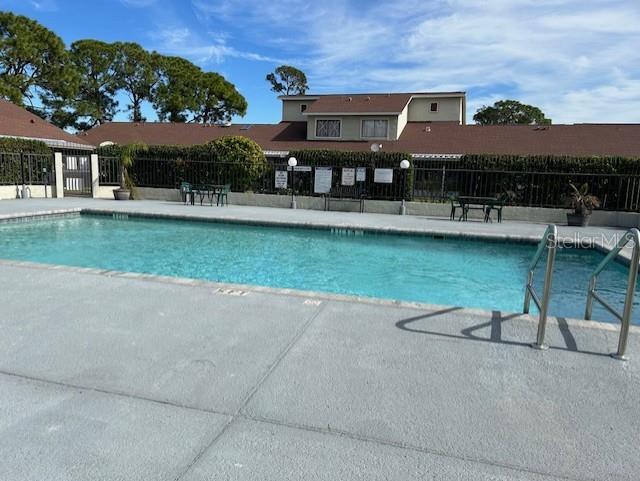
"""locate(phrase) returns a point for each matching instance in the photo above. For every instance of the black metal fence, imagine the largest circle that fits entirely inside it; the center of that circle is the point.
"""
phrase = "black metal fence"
(108, 169)
(617, 192)
(433, 180)
(169, 173)
(24, 168)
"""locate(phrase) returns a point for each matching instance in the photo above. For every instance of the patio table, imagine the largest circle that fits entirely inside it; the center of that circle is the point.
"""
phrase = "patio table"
(485, 204)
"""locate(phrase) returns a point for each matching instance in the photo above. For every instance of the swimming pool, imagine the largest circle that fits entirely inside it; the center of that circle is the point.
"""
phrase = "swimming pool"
(468, 273)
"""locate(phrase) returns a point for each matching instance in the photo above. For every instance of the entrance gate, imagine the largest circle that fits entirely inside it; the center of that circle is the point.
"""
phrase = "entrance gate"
(76, 173)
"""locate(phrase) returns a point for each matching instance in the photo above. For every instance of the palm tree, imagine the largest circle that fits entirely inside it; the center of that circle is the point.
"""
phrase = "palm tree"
(128, 154)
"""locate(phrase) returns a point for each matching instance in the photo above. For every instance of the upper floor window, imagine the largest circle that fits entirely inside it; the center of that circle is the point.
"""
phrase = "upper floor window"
(303, 107)
(375, 128)
(328, 128)
(434, 107)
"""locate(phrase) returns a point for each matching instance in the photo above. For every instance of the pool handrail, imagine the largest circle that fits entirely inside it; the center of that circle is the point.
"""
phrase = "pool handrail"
(625, 317)
(549, 242)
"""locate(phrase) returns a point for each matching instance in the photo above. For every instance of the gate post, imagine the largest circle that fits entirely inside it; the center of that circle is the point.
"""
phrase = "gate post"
(95, 175)
(59, 181)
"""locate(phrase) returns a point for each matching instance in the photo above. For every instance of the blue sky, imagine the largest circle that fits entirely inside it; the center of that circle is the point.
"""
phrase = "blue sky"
(579, 60)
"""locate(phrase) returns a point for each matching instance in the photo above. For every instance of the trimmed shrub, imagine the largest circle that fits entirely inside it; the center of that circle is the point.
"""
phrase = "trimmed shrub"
(23, 146)
(242, 158)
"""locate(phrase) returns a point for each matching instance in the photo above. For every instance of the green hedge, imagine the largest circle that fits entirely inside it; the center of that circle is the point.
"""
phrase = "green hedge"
(16, 145)
(370, 160)
(549, 163)
(235, 160)
(12, 149)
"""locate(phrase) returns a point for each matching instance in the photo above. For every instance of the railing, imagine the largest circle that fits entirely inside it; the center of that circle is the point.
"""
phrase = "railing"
(625, 317)
(549, 242)
(25, 168)
(108, 168)
(617, 192)
(169, 173)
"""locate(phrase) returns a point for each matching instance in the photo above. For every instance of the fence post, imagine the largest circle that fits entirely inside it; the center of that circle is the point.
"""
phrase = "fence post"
(57, 160)
(95, 175)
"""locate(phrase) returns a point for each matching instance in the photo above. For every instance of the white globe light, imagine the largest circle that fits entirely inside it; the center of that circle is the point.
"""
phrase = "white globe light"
(292, 162)
(404, 164)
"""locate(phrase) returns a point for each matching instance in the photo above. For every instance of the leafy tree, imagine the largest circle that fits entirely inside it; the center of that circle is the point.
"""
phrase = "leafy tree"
(218, 99)
(137, 72)
(95, 102)
(288, 80)
(510, 112)
(176, 91)
(33, 63)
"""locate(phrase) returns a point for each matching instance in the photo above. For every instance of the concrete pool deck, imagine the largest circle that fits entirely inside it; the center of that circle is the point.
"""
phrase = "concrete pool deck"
(114, 376)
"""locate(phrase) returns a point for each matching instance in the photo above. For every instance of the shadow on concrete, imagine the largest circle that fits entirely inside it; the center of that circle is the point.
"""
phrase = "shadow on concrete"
(495, 335)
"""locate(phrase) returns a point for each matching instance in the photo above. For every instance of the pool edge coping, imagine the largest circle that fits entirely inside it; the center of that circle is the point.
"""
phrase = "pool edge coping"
(77, 211)
(220, 287)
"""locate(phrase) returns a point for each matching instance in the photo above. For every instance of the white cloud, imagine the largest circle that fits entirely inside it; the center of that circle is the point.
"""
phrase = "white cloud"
(45, 5)
(184, 42)
(578, 61)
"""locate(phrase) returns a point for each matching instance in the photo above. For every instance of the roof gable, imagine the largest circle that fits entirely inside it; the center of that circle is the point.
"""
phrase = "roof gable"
(16, 121)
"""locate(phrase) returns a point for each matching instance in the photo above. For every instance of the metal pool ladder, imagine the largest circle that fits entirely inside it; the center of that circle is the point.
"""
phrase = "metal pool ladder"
(549, 242)
(625, 317)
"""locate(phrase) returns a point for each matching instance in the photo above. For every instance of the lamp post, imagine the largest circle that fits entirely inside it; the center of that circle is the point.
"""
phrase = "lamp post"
(292, 162)
(404, 165)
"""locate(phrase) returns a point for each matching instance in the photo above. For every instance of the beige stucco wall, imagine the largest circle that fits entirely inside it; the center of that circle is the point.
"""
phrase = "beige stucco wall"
(291, 110)
(37, 191)
(402, 121)
(449, 109)
(351, 126)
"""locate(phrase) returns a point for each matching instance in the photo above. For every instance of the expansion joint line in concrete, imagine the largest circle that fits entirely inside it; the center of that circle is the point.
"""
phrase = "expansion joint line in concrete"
(254, 390)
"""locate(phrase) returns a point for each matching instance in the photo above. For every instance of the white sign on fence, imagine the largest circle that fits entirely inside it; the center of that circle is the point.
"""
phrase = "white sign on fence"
(348, 176)
(361, 174)
(383, 176)
(322, 183)
(281, 179)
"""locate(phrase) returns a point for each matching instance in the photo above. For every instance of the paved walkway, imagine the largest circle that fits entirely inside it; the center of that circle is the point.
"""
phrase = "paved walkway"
(117, 377)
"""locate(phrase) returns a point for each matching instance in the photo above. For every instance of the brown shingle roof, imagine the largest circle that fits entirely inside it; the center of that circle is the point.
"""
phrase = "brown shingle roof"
(18, 122)
(441, 138)
(359, 103)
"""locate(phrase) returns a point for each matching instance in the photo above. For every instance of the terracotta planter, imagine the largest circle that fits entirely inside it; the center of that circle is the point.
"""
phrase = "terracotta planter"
(121, 194)
(579, 220)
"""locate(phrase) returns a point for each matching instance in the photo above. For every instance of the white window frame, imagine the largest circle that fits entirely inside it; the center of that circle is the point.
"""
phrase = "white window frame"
(315, 129)
(362, 121)
(437, 107)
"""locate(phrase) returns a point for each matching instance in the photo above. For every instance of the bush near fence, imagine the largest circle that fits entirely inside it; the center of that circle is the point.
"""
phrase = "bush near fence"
(23, 160)
(233, 160)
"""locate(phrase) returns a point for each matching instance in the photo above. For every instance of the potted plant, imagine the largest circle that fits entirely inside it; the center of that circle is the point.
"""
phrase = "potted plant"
(127, 156)
(582, 204)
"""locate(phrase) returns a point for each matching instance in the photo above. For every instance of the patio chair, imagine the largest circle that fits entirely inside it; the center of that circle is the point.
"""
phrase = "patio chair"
(498, 206)
(186, 191)
(223, 195)
(455, 204)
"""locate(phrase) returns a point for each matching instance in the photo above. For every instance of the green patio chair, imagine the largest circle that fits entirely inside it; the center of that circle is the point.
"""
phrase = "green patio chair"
(223, 195)
(455, 204)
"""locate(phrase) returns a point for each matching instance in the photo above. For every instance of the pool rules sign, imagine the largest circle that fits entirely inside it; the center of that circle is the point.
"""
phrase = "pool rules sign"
(281, 179)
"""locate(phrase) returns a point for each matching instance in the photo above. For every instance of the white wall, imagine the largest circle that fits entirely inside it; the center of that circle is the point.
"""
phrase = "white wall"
(449, 109)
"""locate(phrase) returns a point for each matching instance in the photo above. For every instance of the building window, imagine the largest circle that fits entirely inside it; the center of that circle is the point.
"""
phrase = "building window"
(374, 128)
(328, 128)
(303, 108)
(434, 107)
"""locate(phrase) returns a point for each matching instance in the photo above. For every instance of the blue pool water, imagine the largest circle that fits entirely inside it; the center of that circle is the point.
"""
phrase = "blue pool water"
(487, 275)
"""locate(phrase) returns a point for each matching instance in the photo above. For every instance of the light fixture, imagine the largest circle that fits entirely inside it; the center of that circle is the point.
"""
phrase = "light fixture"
(404, 165)
(292, 162)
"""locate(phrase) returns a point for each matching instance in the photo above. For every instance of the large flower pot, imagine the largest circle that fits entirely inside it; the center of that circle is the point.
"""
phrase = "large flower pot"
(580, 220)
(121, 194)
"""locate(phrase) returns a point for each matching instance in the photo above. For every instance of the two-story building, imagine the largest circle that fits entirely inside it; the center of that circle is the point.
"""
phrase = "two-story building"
(370, 116)
(421, 124)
